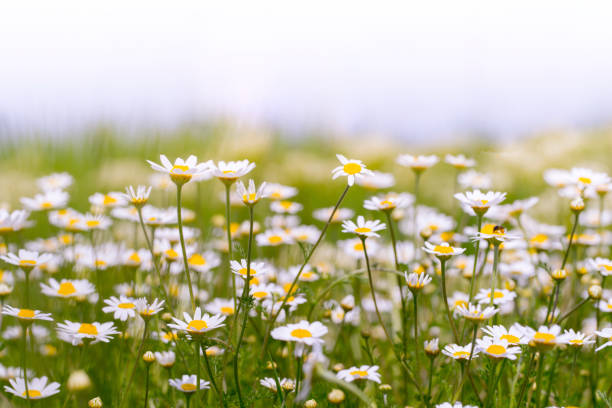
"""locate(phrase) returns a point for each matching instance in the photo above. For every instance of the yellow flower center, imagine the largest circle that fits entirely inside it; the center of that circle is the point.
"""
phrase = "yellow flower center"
(539, 239)
(461, 354)
(387, 204)
(307, 275)
(27, 262)
(544, 337)
(510, 338)
(358, 246)
(576, 341)
(243, 272)
(443, 249)
(26, 313)
(171, 253)
(584, 180)
(447, 236)
(460, 303)
(126, 305)
(87, 328)
(66, 289)
(260, 294)
(496, 295)
(109, 200)
(301, 333)
(275, 239)
(496, 349)
(182, 168)
(32, 394)
(606, 267)
(197, 325)
(352, 168)
(134, 257)
(360, 373)
(227, 310)
(228, 172)
(197, 259)
(188, 387)
(46, 204)
(362, 230)
(100, 262)
(286, 204)
(249, 197)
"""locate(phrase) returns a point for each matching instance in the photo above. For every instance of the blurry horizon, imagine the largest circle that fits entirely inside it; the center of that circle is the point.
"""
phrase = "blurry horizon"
(409, 70)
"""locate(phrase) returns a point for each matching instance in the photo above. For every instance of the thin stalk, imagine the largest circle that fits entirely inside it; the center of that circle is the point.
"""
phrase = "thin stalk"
(273, 315)
(416, 334)
(138, 355)
(197, 359)
(210, 375)
(493, 390)
(448, 312)
(27, 288)
(571, 239)
(550, 303)
(526, 380)
(179, 188)
(417, 178)
(228, 226)
(473, 279)
(494, 272)
(539, 381)
(24, 329)
(430, 382)
(466, 373)
(146, 399)
(551, 374)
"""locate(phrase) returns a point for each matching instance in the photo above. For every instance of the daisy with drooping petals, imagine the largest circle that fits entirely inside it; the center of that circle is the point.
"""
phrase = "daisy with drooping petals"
(256, 268)
(365, 372)
(514, 336)
(459, 162)
(273, 237)
(417, 163)
(285, 207)
(545, 336)
(480, 202)
(187, 383)
(432, 347)
(353, 169)
(95, 332)
(108, 200)
(442, 251)
(303, 332)
(286, 384)
(417, 281)
(199, 324)
(68, 288)
(55, 181)
(182, 171)
(13, 221)
(230, 171)
(363, 228)
(26, 315)
(497, 348)
(575, 338)
(606, 333)
(251, 195)
(602, 265)
(165, 359)
(279, 191)
(50, 200)
(376, 181)
(122, 307)
(26, 260)
(500, 296)
(458, 352)
(388, 202)
(146, 310)
(139, 197)
(37, 388)
(475, 313)
(474, 179)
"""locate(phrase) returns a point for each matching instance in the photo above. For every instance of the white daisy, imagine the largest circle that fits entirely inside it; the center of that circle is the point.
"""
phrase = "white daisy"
(442, 251)
(417, 163)
(353, 169)
(606, 333)
(388, 202)
(26, 315)
(270, 383)
(459, 162)
(68, 288)
(187, 383)
(277, 191)
(458, 352)
(497, 348)
(165, 358)
(285, 207)
(95, 332)
(514, 336)
(472, 179)
(576, 338)
(302, 332)
(376, 181)
(26, 259)
(37, 388)
(476, 313)
(363, 228)
(182, 171)
(146, 310)
(138, 197)
(122, 307)
(601, 265)
(55, 181)
(500, 296)
(417, 281)
(251, 195)
(108, 200)
(230, 171)
(340, 215)
(364, 372)
(544, 336)
(480, 202)
(273, 237)
(199, 324)
(50, 200)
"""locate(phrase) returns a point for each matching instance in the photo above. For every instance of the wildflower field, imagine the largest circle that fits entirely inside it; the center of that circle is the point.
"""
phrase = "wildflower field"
(206, 268)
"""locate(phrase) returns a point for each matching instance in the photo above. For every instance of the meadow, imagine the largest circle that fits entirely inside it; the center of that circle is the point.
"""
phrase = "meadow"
(232, 267)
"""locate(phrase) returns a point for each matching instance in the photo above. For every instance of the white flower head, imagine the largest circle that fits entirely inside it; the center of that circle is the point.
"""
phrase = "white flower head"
(182, 171)
(352, 168)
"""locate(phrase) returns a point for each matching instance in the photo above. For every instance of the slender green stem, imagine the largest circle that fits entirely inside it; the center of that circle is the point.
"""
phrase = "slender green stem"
(210, 375)
(466, 372)
(493, 390)
(399, 282)
(539, 380)
(197, 347)
(24, 329)
(416, 334)
(415, 233)
(430, 382)
(494, 272)
(228, 228)
(448, 311)
(571, 239)
(550, 316)
(138, 356)
(273, 315)
(551, 374)
(179, 216)
(476, 253)
(146, 399)
(526, 380)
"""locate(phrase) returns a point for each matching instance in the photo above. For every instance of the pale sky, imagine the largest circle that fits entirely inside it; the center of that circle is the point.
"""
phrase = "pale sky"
(421, 69)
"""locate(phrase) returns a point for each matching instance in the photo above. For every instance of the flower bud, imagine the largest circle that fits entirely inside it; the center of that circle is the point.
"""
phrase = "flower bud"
(78, 381)
(337, 367)
(5, 290)
(95, 403)
(335, 396)
(310, 404)
(148, 357)
(288, 386)
(577, 205)
(595, 292)
(559, 274)
(384, 387)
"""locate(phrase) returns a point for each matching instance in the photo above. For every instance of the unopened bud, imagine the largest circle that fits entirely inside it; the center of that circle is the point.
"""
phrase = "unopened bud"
(78, 381)
(148, 357)
(559, 274)
(310, 404)
(95, 403)
(595, 292)
(335, 396)
(577, 205)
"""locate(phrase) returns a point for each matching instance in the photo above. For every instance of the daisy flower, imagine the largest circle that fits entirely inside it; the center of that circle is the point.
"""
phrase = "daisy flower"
(458, 299)
(303, 332)
(55, 181)
(274, 237)
(26, 315)
(146, 310)
(495, 233)
(602, 265)
(49, 200)
(353, 169)
(606, 333)
(605, 305)
(455, 405)
(475, 313)
(270, 383)
(480, 202)
(139, 197)
(230, 171)
(165, 359)
(279, 191)
(557, 178)
(340, 215)
(221, 306)
(376, 181)
(545, 336)
(514, 336)
(240, 268)
(417, 163)
(363, 228)
(286, 207)
(365, 372)
(497, 348)
(187, 383)
(459, 162)
(122, 307)
(305, 233)
(181, 171)
(95, 222)
(500, 296)
(204, 262)
(265, 291)
(458, 352)
(37, 388)
(68, 288)
(109, 200)
(417, 281)
(473, 179)
(251, 195)
(432, 347)
(13, 221)
(442, 251)
(26, 260)
(94, 332)
(388, 202)
(199, 324)
(576, 338)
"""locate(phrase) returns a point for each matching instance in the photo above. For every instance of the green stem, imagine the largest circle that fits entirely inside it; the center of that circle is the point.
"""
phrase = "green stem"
(24, 329)
(448, 311)
(415, 233)
(228, 227)
(494, 272)
(416, 334)
(539, 380)
(466, 372)
(569, 245)
(210, 375)
(197, 359)
(146, 399)
(430, 382)
(138, 356)
(179, 216)
(399, 282)
(476, 253)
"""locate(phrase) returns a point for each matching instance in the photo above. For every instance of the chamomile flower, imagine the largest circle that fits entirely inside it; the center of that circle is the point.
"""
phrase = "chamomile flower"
(26, 315)
(182, 171)
(473, 179)
(265, 291)
(460, 162)
(417, 163)
(204, 262)
(576, 338)
(38, 388)
(251, 195)
(26, 260)
(480, 202)
(146, 310)
(494, 233)
(417, 281)
(256, 268)
(458, 352)
(454, 405)
(388, 202)
(500, 296)
(165, 359)
(108, 200)
(432, 348)
(606, 333)
(68, 288)
(340, 215)
(496, 349)
(285, 207)
(277, 191)
(95, 332)
(514, 335)
(13, 221)
(138, 197)
(305, 233)
(363, 228)
(353, 169)
(122, 307)
(475, 313)
(303, 332)
(442, 251)
(200, 324)
(605, 305)
(187, 383)
(55, 181)
(602, 265)
(230, 171)
(50, 200)
(376, 181)
(270, 383)
(273, 237)
(364, 372)
(545, 336)
(458, 299)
